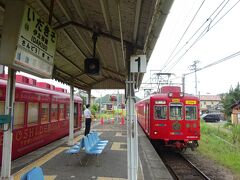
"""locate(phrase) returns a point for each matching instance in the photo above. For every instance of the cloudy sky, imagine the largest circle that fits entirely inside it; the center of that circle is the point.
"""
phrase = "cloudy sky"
(201, 30)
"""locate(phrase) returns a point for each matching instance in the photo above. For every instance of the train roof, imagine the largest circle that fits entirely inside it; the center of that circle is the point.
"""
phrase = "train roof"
(42, 87)
(165, 96)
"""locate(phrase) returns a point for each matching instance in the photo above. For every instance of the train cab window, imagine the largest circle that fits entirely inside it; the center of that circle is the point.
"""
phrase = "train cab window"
(19, 108)
(32, 113)
(61, 112)
(54, 112)
(191, 112)
(176, 111)
(160, 112)
(44, 113)
(2, 107)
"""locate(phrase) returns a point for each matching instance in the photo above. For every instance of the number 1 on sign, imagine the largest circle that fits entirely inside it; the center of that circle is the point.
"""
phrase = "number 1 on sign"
(139, 63)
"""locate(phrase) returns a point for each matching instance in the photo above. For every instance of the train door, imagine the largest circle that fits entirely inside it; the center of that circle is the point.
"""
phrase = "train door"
(147, 119)
(76, 115)
(176, 120)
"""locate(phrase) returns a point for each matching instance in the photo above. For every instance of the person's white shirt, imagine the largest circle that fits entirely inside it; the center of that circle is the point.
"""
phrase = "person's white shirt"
(87, 113)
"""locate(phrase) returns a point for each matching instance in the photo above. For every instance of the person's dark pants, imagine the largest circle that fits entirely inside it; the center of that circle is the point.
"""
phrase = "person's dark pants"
(87, 126)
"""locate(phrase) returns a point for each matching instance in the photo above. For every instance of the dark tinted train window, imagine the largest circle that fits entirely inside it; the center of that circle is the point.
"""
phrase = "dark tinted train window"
(191, 112)
(160, 112)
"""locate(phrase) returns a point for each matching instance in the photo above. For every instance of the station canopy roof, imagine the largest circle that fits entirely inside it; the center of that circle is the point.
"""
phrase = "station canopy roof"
(123, 27)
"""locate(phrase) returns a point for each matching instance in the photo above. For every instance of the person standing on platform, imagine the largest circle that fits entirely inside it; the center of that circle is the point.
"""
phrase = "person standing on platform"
(87, 115)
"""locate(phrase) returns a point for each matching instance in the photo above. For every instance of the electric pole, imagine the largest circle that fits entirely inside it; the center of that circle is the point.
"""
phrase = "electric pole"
(194, 67)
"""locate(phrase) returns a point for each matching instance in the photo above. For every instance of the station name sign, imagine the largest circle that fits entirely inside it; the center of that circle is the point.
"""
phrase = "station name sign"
(36, 45)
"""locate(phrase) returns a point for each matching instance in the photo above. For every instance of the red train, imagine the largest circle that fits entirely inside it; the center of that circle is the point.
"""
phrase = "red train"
(41, 114)
(170, 117)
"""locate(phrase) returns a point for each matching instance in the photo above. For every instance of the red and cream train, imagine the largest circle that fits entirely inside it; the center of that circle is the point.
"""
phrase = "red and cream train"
(41, 114)
(170, 117)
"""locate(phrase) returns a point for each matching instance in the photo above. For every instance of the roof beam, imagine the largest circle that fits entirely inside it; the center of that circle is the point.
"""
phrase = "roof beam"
(136, 24)
(104, 34)
(63, 72)
(66, 13)
(106, 16)
(72, 63)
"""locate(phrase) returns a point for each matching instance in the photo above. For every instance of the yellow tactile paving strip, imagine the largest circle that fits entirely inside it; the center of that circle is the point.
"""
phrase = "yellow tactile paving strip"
(39, 162)
(110, 178)
(117, 146)
(43, 160)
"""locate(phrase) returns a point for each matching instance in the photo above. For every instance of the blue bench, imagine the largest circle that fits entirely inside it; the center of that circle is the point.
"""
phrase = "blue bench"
(93, 145)
(35, 173)
(75, 150)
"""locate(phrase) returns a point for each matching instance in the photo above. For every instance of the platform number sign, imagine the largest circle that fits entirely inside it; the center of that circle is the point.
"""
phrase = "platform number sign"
(138, 64)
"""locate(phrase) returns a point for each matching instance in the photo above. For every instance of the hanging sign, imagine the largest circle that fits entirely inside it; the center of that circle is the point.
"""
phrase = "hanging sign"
(33, 43)
(138, 63)
(36, 44)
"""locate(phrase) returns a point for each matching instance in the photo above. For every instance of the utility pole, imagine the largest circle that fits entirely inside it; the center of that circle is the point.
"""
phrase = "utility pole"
(194, 67)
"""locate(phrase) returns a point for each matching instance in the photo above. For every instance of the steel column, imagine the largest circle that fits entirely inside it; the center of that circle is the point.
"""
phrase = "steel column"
(132, 134)
(7, 128)
(71, 121)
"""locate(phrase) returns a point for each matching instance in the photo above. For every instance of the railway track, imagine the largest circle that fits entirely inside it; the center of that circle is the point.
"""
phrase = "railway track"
(180, 167)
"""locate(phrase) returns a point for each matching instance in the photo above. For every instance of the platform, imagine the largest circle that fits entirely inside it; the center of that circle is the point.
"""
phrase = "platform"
(56, 164)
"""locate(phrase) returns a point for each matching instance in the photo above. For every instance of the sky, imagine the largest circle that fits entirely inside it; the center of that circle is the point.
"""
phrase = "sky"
(221, 38)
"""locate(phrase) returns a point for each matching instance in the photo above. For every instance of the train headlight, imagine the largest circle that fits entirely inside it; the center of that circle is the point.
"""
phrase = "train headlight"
(181, 94)
(155, 132)
(170, 94)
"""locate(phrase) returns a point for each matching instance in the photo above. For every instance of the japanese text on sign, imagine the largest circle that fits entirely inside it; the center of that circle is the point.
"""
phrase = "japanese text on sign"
(37, 39)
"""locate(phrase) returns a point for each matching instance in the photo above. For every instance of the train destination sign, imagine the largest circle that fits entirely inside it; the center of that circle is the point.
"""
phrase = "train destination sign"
(33, 44)
(36, 44)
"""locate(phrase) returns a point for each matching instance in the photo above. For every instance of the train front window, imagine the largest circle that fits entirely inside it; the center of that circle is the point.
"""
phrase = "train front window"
(191, 112)
(160, 112)
(176, 111)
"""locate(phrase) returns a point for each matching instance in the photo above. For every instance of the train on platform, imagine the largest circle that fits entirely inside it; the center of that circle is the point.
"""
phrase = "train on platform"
(170, 118)
(41, 114)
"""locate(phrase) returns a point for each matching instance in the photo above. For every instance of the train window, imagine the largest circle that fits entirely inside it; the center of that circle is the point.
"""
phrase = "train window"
(19, 108)
(2, 107)
(176, 111)
(54, 112)
(160, 112)
(61, 112)
(68, 111)
(32, 113)
(44, 113)
(191, 112)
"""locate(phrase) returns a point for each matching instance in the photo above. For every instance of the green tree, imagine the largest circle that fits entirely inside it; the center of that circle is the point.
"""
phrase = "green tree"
(94, 108)
(229, 99)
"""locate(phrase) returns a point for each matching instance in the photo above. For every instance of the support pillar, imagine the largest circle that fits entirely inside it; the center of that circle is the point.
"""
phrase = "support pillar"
(7, 128)
(132, 133)
(71, 120)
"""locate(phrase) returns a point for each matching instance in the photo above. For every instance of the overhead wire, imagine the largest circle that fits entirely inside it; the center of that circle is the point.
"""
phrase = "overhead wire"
(201, 35)
(193, 33)
(209, 27)
(169, 58)
(216, 62)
